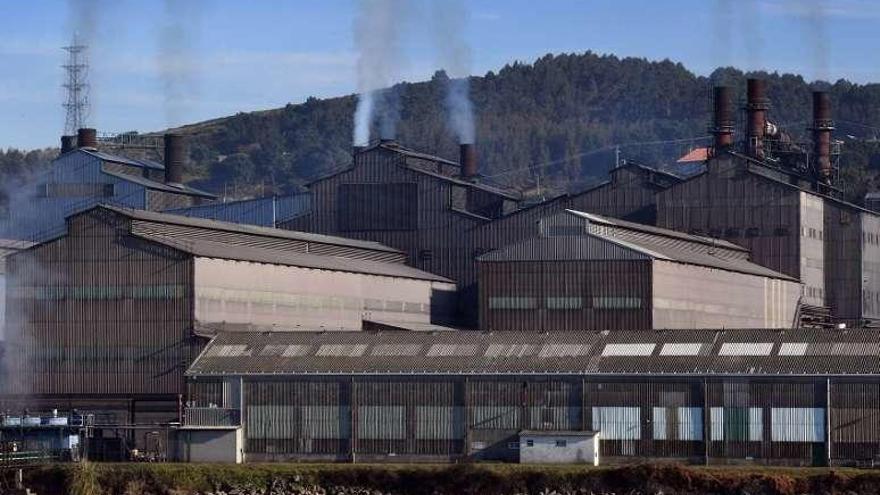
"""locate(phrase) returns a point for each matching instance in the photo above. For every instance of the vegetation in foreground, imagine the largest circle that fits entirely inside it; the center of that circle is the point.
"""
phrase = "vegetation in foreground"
(483, 479)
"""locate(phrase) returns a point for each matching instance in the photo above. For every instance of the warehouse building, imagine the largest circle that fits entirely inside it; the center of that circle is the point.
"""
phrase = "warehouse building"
(799, 397)
(585, 271)
(84, 176)
(424, 205)
(117, 308)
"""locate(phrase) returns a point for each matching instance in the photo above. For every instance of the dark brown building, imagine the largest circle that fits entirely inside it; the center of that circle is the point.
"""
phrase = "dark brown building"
(414, 202)
(584, 271)
(109, 315)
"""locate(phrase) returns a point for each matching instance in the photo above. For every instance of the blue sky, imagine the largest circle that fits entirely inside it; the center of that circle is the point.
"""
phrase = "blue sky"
(249, 55)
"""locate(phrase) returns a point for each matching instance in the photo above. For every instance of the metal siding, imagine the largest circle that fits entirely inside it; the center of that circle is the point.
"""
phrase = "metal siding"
(584, 279)
(101, 313)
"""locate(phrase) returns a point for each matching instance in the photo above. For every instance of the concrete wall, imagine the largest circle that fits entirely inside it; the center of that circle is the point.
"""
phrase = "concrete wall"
(558, 449)
(218, 445)
(287, 297)
(688, 296)
(812, 248)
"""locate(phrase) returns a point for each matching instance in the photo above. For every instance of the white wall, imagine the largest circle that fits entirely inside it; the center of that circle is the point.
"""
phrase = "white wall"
(544, 449)
(689, 296)
(813, 248)
(288, 297)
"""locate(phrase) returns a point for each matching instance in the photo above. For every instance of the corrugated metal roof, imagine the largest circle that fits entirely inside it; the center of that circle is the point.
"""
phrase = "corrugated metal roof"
(657, 231)
(109, 157)
(165, 218)
(197, 246)
(159, 186)
(592, 246)
(833, 352)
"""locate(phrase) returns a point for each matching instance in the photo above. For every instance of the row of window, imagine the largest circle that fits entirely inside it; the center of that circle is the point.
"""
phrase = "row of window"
(734, 232)
(744, 424)
(565, 302)
(101, 292)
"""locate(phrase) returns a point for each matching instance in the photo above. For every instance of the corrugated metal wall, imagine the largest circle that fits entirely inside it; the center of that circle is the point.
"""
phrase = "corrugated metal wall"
(566, 295)
(98, 312)
(761, 421)
(726, 202)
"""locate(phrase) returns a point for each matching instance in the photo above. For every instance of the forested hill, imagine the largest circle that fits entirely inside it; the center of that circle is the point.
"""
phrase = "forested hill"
(557, 119)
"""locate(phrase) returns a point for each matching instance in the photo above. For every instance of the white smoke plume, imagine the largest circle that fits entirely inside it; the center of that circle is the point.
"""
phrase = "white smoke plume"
(377, 39)
(449, 20)
(176, 57)
(817, 34)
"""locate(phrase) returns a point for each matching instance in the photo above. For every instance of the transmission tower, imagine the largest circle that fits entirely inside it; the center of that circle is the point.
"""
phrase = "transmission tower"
(76, 86)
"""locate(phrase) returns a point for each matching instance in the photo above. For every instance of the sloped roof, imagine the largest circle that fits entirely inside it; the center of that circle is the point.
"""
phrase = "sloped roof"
(160, 186)
(165, 218)
(752, 352)
(201, 247)
(695, 155)
(109, 157)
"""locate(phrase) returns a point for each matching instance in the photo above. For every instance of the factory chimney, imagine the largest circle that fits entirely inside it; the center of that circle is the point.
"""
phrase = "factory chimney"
(467, 153)
(723, 122)
(87, 138)
(175, 158)
(822, 127)
(756, 117)
(68, 144)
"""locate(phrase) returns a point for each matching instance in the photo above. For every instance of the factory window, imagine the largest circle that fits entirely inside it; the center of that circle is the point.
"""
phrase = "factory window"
(732, 233)
(736, 423)
(364, 207)
(513, 303)
(565, 303)
(108, 292)
(678, 423)
(753, 232)
(797, 424)
(530, 443)
(562, 443)
(618, 423)
(608, 302)
(780, 231)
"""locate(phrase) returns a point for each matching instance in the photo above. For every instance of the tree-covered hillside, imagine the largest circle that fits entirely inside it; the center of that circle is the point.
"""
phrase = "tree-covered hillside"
(557, 120)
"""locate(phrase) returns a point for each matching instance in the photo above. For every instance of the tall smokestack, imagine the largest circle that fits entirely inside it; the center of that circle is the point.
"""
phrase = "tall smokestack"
(86, 138)
(756, 119)
(468, 160)
(68, 144)
(175, 158)
(722, 125)
(822, 127)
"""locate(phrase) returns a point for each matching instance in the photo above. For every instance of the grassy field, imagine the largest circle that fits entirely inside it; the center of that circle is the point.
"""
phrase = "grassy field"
(408, 479)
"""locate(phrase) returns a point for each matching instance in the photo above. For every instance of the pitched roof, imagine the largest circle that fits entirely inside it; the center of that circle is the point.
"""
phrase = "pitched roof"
(201, 247)
(751, 352)
(165, 218)
(108, 157)
(695, 155)
(656, 231)
(160, 186)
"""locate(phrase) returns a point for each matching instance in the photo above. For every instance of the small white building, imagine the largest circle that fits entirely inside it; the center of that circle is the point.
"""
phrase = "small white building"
(559, 447)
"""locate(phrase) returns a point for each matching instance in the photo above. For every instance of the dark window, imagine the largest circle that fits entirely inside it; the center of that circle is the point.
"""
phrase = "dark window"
(562, 443)
(753, 232)
(426, 255)
(732, 233)
(530, 443)
(780, 231)
(391, 206)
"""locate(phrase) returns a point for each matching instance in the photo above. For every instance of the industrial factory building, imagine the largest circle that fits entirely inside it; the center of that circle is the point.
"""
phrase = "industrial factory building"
(424, 205)
(803, 397)
(584, 271)
(118, 307)
(7, 247)
(83, 176)
(780, 200)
